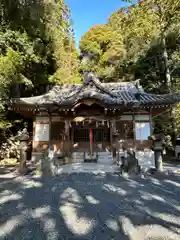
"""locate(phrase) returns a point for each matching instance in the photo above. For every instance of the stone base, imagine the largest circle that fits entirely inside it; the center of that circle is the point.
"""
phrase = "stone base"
(23, 170)
(145, 158)
(36, 157)
(46, 166)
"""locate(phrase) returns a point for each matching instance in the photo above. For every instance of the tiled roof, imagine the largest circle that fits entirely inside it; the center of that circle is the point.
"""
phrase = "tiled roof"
(108, 94)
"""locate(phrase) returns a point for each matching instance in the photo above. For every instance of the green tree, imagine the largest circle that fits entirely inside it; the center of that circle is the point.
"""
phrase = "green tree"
(41, 32)
(147, 35)
(117, 45)
(105, 47)
(36, 48)
(167, 13)
(167, 18)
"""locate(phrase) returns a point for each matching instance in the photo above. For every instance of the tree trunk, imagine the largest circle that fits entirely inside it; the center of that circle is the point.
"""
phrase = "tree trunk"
(168, 83)
(166, 65)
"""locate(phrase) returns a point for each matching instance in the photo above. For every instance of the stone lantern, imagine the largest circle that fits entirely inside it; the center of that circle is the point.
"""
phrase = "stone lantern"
(158, 146)
(23, 151)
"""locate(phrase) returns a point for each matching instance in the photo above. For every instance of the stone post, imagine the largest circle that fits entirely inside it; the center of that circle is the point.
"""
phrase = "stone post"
(158, 143)
(23, 152)
(46, 165)
(158, 160)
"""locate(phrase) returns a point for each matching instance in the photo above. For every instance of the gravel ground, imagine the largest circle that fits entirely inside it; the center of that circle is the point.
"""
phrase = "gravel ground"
(90, 206)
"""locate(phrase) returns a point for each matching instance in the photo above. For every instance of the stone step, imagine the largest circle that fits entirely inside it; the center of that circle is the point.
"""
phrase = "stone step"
(98, 157)
(105, 154)
(103, 157)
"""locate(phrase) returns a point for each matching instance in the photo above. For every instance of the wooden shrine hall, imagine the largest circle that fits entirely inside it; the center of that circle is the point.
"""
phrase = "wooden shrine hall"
(93, 118)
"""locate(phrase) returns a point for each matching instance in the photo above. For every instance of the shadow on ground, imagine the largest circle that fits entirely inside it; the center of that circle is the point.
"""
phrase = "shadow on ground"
(89, 206)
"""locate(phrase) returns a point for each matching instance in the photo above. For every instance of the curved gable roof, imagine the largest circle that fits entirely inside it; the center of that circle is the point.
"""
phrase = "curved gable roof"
(109, 94)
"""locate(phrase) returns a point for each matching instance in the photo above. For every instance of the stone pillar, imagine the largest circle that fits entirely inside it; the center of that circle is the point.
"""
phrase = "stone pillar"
(158, 160)
(158, 143)
(23, 152)
(46, 165)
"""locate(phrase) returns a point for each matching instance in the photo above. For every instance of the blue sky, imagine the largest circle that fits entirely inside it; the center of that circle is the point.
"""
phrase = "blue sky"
(86, 13)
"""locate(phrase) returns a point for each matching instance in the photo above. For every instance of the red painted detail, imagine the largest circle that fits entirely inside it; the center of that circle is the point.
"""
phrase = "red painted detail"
(91, 139)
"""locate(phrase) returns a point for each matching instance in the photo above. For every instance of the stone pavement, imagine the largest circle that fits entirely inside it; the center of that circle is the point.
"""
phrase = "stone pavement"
(90, 206)
(172, 166)
(87, 168)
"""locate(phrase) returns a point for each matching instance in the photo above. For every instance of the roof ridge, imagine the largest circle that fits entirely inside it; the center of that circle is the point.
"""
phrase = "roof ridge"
(99, 85)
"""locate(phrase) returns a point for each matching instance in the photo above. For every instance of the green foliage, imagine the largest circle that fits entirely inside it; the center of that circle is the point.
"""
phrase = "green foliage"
(9, 162)
(96, 40)
(106, 46)
(120, 42)
(141, 41)
(36, 47)
(36, 43)
(5, 124)
(10, 69)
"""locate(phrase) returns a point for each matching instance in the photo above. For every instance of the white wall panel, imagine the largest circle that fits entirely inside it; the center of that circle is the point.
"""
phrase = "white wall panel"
(41, 132)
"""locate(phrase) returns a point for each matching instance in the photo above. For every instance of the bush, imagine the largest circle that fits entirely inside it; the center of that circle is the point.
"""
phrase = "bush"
(10, 149)
(9, 161)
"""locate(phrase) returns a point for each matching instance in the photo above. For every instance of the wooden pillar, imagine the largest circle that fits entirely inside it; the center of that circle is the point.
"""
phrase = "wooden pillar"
(34, 131)
(67, 135)
(110, 126)
(151, 121)
(72, 134)
(134, 131)
(67, 132)
(114, 140)
(70, 142)
(50, 127)
(111, 133)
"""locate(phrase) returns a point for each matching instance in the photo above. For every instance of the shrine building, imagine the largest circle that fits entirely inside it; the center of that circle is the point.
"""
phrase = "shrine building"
(93, 118)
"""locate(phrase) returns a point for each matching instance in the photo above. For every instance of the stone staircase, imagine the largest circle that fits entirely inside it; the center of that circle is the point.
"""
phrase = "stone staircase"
(103, 158)
(78, 157)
